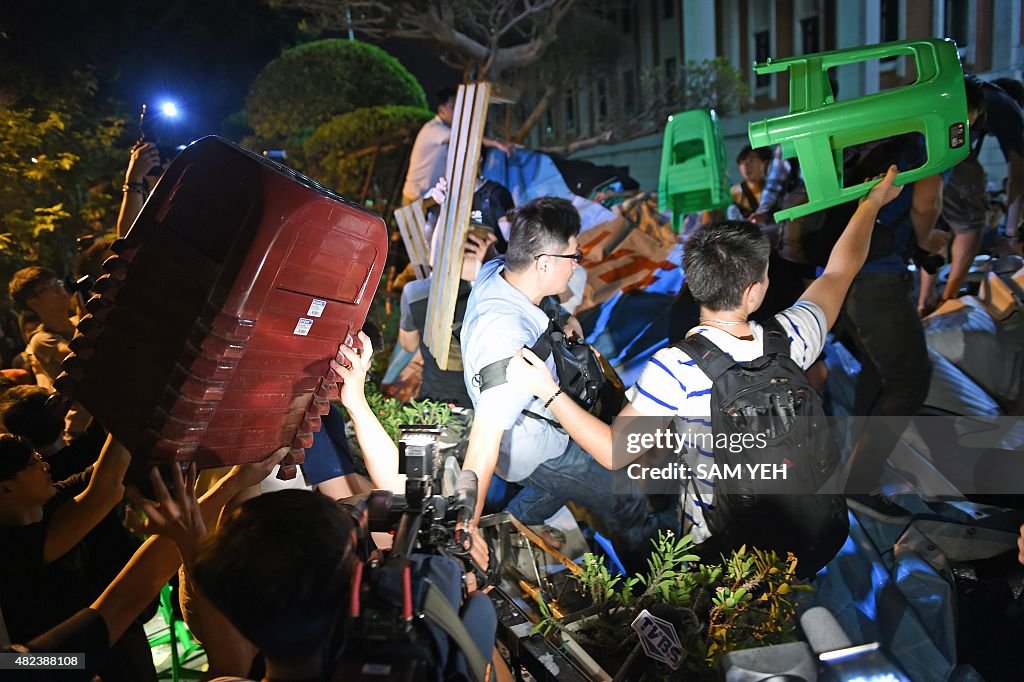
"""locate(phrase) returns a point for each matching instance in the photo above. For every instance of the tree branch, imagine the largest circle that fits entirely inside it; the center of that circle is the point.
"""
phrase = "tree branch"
(535, 115)
(604, 137)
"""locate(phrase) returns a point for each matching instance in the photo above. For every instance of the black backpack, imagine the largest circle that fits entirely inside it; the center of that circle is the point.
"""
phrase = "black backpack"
(772, 396)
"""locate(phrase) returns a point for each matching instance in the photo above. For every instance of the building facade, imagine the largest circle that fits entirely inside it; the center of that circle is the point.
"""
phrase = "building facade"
(664, 35)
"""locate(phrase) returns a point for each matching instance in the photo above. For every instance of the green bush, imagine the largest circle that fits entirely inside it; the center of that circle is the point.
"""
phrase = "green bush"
(310, 84)
(328, 153)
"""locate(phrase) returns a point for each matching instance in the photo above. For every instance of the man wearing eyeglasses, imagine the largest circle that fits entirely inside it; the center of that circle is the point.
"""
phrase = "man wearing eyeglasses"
(38, 289)
(514, 434)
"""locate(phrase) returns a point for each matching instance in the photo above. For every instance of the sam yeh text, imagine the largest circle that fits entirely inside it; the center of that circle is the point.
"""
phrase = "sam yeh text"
(708, 472)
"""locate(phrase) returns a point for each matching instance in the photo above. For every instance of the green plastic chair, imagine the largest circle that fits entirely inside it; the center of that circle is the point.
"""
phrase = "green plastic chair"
(693, 174)
(177, 632)
(817, 128)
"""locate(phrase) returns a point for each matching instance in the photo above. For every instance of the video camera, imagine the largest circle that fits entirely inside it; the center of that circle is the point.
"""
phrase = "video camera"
(406, 601)
(422, 518)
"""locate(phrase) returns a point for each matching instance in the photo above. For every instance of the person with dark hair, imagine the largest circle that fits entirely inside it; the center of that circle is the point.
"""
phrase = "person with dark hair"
(727, 267)
(746, 194)
(755, 199)
(294, 621)
(24, 412)
(172, 519)
(40, 290)
(62, 546)
(22, 409)
(430, 149)
(990, 110)
(514, 433)
(438, 384)
(239, 569)
(1013, 87)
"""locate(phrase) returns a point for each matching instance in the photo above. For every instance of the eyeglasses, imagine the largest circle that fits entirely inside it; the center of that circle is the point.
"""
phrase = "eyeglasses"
(578, 256)
(35, 459)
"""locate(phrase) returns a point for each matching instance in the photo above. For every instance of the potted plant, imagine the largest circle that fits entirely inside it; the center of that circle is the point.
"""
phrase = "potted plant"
(393, 413)
(743, 602)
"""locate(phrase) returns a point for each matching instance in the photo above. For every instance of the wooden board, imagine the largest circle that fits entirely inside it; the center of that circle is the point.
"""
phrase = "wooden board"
(461, 170)
(411, 220)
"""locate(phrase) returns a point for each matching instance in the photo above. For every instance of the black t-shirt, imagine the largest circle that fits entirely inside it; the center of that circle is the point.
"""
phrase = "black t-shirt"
(1002, 118)
(438, 384)
(37, 596)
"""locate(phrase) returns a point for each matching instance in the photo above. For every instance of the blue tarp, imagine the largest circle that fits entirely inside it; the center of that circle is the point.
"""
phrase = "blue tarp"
(527, 175)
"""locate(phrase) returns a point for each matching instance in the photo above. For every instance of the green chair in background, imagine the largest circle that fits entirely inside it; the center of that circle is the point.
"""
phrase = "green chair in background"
(818, 128)
(693, 174)
(177, 633)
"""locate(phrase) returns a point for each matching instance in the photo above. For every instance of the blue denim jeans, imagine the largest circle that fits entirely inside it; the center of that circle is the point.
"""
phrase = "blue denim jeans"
(575, 476)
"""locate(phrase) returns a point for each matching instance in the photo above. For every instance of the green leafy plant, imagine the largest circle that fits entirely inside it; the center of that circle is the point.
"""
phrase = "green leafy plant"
(59, 168)
(392, 414)
(743, 602)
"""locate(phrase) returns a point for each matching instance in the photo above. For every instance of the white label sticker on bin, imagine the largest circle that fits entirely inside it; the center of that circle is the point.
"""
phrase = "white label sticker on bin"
(303, 327)
(316, 308)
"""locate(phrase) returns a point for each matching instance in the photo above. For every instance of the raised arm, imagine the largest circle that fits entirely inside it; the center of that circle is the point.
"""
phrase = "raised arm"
(379, 452)
(144, 158)
(850, 251)
(175, 519)
(75, 519)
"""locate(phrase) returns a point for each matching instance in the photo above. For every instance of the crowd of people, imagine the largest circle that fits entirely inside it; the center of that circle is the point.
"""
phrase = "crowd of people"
(264, 574)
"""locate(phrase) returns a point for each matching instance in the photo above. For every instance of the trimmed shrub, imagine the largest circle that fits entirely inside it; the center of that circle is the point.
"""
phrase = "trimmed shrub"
(310, 84)
(328, 153)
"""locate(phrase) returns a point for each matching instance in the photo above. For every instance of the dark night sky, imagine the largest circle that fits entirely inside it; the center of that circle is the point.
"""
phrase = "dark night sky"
(202, 53)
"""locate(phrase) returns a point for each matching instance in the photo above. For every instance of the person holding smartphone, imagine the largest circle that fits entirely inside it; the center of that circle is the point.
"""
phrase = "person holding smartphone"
(438, 384)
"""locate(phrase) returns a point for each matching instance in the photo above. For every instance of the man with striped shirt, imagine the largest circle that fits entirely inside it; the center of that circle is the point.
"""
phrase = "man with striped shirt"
(726, 266)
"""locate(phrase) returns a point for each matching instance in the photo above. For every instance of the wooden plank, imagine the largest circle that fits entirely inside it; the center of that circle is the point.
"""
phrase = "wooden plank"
(411, 225)
(468, 125)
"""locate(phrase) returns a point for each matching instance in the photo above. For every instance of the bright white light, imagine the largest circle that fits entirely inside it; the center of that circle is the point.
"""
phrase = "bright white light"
(34, 160)
(170, 109)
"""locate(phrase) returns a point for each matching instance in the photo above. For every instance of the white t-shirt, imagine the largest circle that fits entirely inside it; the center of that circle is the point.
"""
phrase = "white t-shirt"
(671, 384)
(428, 158)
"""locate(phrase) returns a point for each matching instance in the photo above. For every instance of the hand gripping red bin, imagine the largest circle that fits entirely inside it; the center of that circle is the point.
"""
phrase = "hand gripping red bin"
(210, 334)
